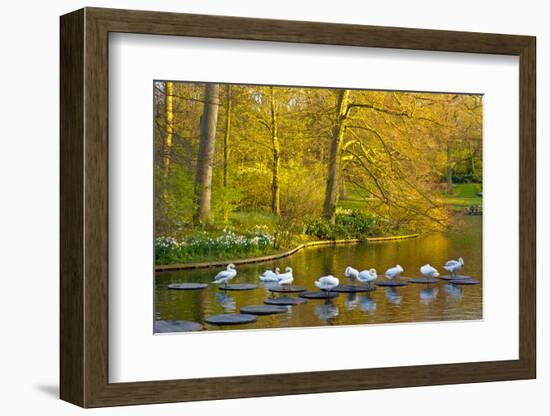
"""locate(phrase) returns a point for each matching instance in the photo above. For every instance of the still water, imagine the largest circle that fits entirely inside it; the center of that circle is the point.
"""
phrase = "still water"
(413, 303)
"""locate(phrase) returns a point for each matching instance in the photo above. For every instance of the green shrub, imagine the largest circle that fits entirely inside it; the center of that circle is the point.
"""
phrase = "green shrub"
(347, 225)
(174, 205)
(356, 223)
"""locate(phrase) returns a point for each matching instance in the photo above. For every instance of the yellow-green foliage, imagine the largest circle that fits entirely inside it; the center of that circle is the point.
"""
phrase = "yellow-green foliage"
(396, 154)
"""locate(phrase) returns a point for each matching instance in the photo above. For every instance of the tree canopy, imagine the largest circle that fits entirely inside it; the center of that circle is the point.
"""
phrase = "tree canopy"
(294, 155)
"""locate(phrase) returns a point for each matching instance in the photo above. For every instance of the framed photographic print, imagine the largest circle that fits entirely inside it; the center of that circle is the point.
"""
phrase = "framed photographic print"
(256, 207)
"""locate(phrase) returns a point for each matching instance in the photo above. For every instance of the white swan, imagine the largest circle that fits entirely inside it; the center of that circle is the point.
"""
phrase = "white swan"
(452, 266)
(286, 278)
(225, 275)
(351, 273)
(367, 276)
(270, 276)
(394, 272)
(327, 282)
(429, 271)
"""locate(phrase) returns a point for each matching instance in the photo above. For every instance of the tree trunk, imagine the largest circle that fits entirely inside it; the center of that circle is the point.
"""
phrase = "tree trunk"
(449, 167)
(275, 189)
(203, 180)
(169, 118)
(473, 164)
(333, 171)
(226, 137)
(342, 190)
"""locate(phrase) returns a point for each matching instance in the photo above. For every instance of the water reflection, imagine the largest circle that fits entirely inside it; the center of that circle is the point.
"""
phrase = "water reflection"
(428, 295)
(327, 312)
(226, 301)
(453, 291)
(265, 286)
(393, 296)
(384, 305)
(367, 304)
(351, 302)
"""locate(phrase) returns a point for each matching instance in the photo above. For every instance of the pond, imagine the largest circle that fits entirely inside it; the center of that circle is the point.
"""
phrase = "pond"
(413, 303)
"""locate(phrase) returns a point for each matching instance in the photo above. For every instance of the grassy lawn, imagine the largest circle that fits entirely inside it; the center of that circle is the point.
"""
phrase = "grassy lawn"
(354, 204)
(467, 190)
(246, 220)
(355, 200)
(465, 195)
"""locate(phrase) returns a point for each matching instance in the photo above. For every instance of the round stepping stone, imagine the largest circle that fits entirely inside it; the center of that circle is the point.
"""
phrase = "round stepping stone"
(238, 286)
(391, 283)
(426, 280)
(231, 319)
(286, 289)
(353, 289)
(318, 295)
(457, 277)
(187, 286)
(176, 326)
(263, 309)
(465, 282)
(284, 301)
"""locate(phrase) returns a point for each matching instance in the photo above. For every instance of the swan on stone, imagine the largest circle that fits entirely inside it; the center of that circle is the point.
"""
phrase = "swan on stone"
(429, 271)
(452, 266)
(351, 273)
(226, 275)
(286, 278)
(367, 276)
(270, 276)
(327, 282)
(393, 272)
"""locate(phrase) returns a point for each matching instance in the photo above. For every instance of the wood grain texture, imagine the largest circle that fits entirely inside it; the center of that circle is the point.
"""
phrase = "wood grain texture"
(71, 214)
(528, 208)
(225, 27)
(84, 207)
(96, 209)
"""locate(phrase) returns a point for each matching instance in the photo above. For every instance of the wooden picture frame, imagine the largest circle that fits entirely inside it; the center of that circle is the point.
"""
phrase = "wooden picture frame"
(84, 207)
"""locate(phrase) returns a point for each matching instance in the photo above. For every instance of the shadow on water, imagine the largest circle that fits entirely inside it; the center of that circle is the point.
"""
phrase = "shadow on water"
(412, 303)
